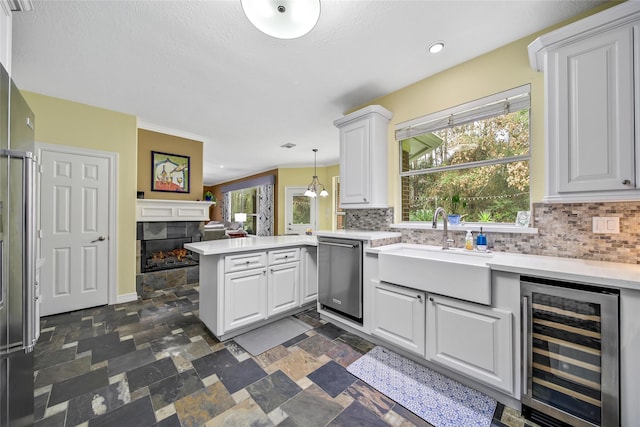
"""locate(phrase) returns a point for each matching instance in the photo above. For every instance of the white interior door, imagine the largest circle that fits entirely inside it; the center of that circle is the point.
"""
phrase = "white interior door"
(75, 223)
(300, 211)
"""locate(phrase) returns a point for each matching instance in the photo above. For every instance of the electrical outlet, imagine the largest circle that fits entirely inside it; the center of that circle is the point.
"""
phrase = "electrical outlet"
(606, 224)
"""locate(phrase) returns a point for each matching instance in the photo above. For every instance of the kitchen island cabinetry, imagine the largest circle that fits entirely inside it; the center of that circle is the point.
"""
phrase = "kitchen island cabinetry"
(247, 283)
(363, 158)
(284, 280)
(592, 105)
(245, 297)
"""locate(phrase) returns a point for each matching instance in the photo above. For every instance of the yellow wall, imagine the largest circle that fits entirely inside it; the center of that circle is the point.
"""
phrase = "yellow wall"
(301, 177)
(70, 123)
(499, 70)
(153, 141)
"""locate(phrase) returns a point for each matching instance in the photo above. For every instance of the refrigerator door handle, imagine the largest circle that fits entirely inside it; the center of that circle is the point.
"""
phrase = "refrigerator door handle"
(29, 297)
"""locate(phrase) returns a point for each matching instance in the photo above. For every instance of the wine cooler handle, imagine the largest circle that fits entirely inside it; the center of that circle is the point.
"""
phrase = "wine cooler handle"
(525, 344)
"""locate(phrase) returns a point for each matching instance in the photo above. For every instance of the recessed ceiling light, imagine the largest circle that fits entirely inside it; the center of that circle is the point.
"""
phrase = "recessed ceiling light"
(436, 47)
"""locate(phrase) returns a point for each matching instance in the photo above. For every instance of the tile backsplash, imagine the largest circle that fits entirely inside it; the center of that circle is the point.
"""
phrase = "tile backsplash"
(564, 230)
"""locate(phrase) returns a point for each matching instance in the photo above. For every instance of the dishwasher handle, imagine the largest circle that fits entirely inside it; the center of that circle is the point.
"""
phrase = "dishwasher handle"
(342, 245)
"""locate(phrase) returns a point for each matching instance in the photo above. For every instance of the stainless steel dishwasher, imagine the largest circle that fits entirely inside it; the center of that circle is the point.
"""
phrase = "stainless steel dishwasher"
(340, 276)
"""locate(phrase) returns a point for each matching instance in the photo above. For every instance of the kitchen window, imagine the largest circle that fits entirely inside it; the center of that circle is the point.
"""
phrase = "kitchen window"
(472, 159)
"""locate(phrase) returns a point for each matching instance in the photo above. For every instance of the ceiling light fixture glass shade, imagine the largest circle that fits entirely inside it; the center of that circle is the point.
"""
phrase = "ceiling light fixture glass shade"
(283, 19)
(312, 189)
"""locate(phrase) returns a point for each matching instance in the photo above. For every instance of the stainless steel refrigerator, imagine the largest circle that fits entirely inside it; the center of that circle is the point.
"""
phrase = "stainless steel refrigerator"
(19, 323)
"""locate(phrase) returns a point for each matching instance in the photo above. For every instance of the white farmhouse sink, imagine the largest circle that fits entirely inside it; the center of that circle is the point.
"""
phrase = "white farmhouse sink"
(454, 272)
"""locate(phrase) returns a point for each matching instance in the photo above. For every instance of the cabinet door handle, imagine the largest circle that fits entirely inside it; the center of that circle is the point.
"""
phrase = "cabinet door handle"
(525, 345)
(419, 297)
(431, 299)
(626, 182)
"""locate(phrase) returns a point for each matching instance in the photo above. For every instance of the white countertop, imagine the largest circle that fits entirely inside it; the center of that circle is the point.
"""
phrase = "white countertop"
(359, 234)
(225, 246)
(601, 273)
(607, 274)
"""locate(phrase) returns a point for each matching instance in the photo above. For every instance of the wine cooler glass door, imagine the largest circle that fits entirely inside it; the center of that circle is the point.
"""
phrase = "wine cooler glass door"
(572, 353)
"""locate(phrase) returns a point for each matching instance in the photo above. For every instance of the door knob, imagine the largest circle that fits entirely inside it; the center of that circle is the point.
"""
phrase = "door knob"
(626, 182)
(99, 239)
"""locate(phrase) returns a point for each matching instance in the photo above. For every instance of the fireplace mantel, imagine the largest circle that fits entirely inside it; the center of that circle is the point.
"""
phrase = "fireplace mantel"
(153, 210)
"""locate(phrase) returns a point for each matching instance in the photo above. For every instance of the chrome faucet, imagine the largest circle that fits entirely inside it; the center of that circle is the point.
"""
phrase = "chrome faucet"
(445, 239)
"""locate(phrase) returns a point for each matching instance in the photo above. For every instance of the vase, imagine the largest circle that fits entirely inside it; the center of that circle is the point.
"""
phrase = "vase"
(454, 219)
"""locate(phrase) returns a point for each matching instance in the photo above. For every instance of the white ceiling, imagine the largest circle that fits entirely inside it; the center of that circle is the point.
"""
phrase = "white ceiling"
(199, 69)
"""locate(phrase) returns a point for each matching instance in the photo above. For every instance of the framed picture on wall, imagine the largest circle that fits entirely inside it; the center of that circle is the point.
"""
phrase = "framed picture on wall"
(170, 172)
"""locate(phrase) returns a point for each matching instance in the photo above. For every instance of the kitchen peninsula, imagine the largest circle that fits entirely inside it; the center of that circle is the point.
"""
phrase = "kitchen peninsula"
(249, 282)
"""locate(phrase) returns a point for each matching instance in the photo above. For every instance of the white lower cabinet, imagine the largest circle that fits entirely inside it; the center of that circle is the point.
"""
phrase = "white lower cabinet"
(245, 297)
(284, 283)
(309, 274)
(399, 316)
(259, 285)
(472, 339)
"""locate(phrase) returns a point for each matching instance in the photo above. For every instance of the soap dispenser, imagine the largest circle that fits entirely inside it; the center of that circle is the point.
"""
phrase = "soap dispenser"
(481, 242)
(468, 241)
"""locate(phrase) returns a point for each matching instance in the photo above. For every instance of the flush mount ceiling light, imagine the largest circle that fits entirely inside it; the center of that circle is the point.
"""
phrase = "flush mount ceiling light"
(283, 19)
(436, 47)
(312, 189)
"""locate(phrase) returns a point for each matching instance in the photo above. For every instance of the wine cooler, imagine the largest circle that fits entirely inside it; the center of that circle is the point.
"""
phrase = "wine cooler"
(570, 354)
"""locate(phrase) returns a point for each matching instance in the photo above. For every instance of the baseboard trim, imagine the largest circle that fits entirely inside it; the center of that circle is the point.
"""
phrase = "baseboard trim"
(122, 298)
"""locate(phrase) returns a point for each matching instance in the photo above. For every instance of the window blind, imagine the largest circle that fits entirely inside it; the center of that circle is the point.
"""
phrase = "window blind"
(503, 103)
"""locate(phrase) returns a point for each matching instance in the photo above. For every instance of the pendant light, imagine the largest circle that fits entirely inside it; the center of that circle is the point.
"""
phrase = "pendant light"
(283, 19)
(312, 189)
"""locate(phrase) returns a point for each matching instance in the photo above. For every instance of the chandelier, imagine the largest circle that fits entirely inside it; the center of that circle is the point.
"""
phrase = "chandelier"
(312, 189)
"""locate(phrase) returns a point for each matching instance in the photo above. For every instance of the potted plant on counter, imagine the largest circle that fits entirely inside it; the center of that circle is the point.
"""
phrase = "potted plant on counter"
(454, 217)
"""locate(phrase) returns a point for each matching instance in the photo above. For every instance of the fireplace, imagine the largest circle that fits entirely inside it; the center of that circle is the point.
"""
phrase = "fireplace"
(163, 227)
(165, 254)
(161, 245)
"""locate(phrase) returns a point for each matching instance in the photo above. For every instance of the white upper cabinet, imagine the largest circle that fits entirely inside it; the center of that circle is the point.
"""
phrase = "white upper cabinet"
(363, 158)
(5, 35)
(591, 106)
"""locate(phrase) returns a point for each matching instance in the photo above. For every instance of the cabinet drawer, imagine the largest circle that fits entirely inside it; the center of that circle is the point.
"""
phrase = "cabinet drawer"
(245, 261)
(284, 255)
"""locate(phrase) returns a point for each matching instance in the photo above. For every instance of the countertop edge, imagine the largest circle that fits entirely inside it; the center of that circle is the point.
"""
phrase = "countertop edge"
(229, 246)
(359, 234)
(601, 273)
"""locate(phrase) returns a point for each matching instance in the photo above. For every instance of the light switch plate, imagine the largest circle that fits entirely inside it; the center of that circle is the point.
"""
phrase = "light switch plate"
(606, 224)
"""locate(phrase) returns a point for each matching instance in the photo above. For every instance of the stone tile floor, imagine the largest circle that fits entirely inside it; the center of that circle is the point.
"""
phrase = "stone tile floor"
(153, 363)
